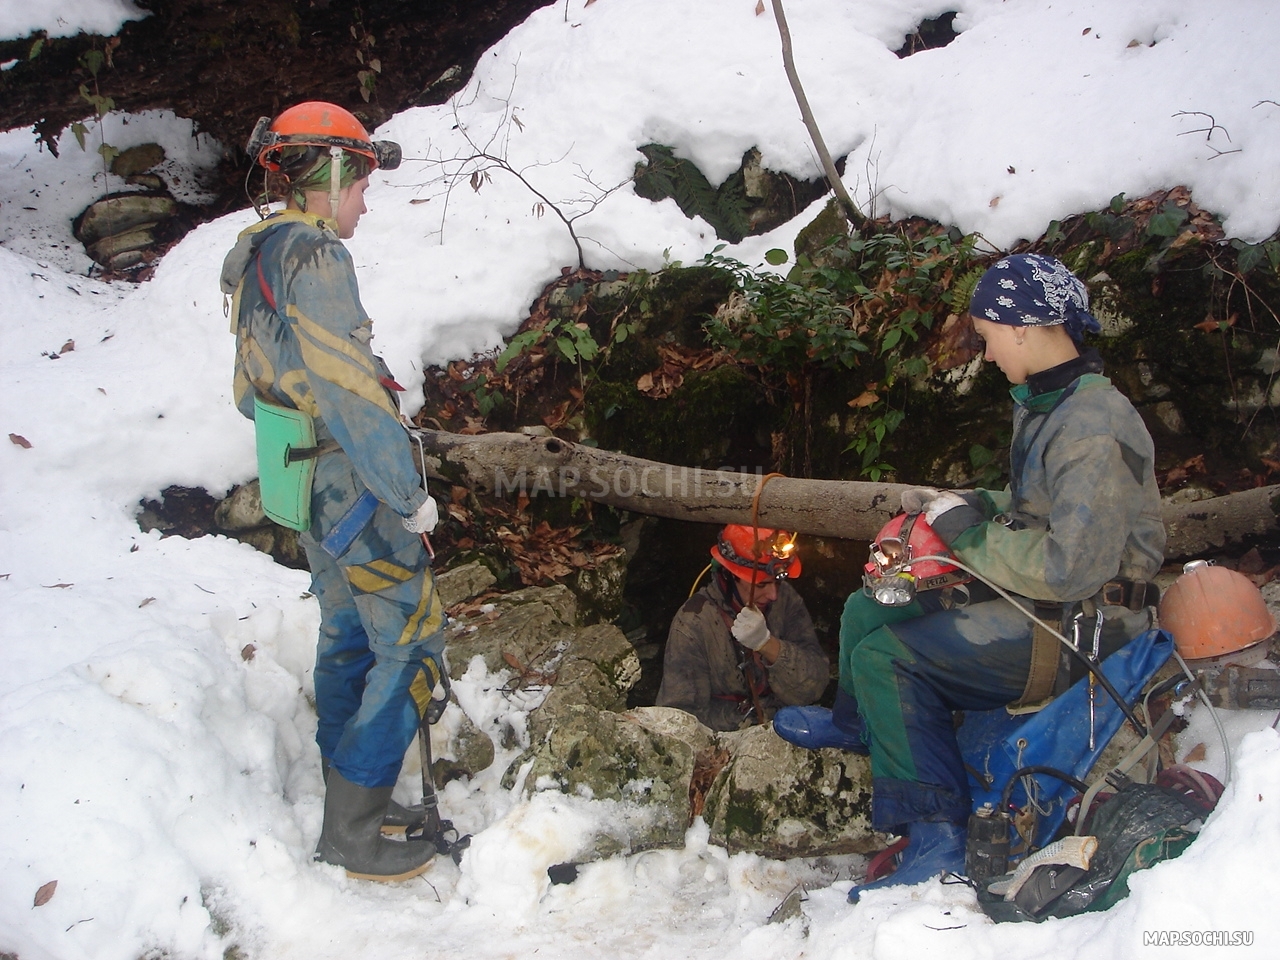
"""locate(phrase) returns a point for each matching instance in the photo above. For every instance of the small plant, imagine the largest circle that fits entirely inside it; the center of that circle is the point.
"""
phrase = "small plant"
(860, 298)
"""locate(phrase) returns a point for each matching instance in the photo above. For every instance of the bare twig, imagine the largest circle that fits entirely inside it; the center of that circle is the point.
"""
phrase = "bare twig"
(847, 206)
(1207, 131)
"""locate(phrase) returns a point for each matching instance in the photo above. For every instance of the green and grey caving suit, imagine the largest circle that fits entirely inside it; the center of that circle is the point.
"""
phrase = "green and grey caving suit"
(1082, 511)
(703, 666)
(302, 341)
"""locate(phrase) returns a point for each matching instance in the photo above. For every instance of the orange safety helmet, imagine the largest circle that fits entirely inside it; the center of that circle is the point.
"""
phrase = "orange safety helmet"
(318, 124)
(1216, 614)
(757, 553)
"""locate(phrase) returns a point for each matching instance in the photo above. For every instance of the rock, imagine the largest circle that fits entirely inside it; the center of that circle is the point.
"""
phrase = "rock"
(464, 582)
(782, 801)
(113, 216)
(611, 756)
(242, 509)
(599, 588)
(137, 160)
(532, 626)
(118, 245)
(469, 749)
(598, 666)
(756, 792)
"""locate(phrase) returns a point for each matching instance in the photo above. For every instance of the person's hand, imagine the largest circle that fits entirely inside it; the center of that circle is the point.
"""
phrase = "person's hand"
(749, 628)
(943, 500)
(425, 519)
(914, 499)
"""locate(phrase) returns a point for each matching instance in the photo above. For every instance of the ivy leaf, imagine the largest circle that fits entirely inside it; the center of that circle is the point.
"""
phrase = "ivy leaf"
(35, 49)
(1167, 222)
(79, 129)
(1250, 256)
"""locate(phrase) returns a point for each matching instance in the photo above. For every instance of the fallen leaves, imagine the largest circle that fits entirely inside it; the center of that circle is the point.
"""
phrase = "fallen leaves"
(45, 893)
(676, 362)
(20, 441)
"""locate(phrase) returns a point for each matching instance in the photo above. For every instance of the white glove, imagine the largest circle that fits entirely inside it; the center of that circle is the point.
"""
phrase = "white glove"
(940, 504)
(914, 499)
(425, 519)
(749, 628)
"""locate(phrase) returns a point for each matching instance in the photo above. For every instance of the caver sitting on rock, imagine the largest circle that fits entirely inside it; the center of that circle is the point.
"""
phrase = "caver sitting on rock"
(744, 645)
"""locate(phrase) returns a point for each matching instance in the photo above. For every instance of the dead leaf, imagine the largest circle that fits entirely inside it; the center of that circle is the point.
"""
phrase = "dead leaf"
(1195, 754)
(20, 441)
(247, 652)
(45, 893)
(417, 200)
(644, 385)
(513, 661)
(1087, 31)
(759, 7)
(146, 601)
(1012, 170)
(588, 3)
(57, 586)
(995, 202)
(68, 346)
(864, 399)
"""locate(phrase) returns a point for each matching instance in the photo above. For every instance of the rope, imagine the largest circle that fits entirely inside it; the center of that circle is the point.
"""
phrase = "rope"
(755, 532)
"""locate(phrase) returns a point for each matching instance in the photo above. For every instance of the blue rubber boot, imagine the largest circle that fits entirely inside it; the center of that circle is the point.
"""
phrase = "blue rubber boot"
(816, 727)
(934, 847)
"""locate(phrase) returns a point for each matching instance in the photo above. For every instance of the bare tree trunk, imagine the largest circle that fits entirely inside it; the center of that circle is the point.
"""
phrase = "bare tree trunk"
(847, 206)
(504, 463)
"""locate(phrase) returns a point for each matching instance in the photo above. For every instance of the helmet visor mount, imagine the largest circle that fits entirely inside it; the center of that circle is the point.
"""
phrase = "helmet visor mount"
(265, 144)
(905, 560)
(774, 556)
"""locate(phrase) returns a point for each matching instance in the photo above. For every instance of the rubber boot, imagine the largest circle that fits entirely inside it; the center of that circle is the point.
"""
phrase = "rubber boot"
(933, 847)
(816, 727)
(398, 818)
(352, 836)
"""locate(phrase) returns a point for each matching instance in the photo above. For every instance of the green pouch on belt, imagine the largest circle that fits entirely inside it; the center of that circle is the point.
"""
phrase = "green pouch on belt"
(286, 440)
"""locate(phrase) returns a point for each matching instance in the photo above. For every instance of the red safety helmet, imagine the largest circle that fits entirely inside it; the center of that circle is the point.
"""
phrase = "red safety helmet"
(757, 554)
(318, 124)
(893, 576)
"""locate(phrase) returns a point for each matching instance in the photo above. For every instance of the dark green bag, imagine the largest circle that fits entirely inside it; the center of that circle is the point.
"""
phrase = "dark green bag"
(1139, 826)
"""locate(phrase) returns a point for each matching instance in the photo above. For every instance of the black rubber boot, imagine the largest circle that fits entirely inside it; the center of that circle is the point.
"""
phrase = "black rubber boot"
(398, 818)
(352, 834)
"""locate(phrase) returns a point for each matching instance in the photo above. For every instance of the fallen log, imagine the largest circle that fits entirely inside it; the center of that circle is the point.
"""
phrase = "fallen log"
(507, 463)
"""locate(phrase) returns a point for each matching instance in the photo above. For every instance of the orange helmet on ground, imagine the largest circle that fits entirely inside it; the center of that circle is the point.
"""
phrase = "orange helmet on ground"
(757, 553)
(321, 125)
(1216, 613)
(893, 576)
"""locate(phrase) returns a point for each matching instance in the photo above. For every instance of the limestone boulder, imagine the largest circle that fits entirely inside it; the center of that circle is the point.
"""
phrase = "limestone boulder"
(464, 582)
(531, 627)
(782, 801)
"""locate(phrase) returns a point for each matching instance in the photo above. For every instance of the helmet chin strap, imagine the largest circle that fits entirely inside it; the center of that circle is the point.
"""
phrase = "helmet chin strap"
(335, 183)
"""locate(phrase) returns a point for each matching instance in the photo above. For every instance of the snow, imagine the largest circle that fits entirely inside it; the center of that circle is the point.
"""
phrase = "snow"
(170, 783)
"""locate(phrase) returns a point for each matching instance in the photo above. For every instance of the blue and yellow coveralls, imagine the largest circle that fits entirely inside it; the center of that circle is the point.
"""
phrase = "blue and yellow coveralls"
(302, 341)
(1082, 509)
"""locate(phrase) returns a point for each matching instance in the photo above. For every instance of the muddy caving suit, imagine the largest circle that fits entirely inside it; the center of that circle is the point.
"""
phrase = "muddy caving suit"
(1079, 522)
(302, 340)
(702, 669)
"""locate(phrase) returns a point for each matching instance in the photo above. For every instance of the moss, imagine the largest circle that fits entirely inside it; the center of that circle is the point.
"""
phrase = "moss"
(711, 416)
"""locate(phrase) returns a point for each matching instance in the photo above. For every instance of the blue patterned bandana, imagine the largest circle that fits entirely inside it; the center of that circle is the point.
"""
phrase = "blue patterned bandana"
(1028, 290)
